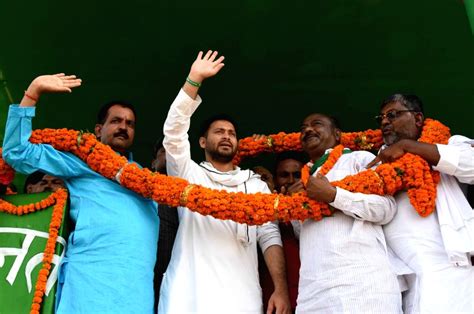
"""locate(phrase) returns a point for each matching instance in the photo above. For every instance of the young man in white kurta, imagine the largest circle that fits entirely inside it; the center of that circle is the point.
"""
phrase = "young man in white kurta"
(344, 264)
(214, 267)
(436, 248)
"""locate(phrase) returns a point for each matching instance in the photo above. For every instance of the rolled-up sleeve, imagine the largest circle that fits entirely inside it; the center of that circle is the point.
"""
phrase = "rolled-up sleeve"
(457, 159)
(268, 234)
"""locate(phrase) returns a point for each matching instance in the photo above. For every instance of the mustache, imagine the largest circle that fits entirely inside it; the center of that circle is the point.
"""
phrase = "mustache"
(225, 142)
(121, 133)
(306, 135)
(387, 128)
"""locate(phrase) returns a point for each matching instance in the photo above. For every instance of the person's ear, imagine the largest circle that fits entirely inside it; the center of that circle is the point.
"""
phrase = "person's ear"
(202, 142)
(97, 130)
(337, 135)
(419, 119)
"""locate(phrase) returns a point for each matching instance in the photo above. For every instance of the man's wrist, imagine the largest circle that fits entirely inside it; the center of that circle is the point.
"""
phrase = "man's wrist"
(408, 145)
(196, 78)
(33, 91)
(281, 289)
(193, 83)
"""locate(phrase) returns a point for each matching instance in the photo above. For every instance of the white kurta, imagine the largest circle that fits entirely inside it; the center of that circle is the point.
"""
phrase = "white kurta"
(214, 265)
(344, 264)
(438, 285)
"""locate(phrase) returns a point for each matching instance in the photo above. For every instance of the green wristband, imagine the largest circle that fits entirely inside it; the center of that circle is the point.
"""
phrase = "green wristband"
(195, 84)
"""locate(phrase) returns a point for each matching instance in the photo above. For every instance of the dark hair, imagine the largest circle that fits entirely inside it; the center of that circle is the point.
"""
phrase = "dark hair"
(411, 102)
(206, 124)
(334, 121)
(104, 110)
(33, 178)
(299, 156)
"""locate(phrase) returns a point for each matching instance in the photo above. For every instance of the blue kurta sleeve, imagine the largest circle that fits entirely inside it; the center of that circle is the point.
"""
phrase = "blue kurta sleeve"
(26, 157)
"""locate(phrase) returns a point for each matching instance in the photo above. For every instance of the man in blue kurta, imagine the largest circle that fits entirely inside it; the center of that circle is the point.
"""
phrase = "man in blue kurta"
(108, 267)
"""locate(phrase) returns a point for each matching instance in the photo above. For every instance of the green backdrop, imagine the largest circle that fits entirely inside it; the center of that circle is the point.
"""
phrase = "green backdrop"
(284, 59)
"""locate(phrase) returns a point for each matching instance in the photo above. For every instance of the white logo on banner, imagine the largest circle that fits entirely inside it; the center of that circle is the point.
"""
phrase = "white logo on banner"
(34, 261)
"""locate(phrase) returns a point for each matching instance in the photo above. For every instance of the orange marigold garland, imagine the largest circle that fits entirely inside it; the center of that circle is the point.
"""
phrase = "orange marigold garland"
(364, 140)
(274, 143)
(332, 159)
(6, 172)
(433, 131)
(277, 143)
(249, 208)
(59, 199)
(410, 172)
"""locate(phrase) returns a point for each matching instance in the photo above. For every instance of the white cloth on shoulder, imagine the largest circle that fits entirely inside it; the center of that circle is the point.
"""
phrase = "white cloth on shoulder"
(455, 215)
(236, 177)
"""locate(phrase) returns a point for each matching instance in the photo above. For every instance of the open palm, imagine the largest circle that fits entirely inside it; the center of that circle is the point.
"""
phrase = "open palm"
(207, 66)
(56, 83)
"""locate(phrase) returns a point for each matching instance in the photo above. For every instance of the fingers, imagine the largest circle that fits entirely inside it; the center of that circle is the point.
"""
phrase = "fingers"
(219, 61)
(281, 309)
(72, 82)
(208, 55)
(68, 80)
(199, 57)
(213, 56)
(321, 177)
(219, 67)
(375, 161)
(271, 307)
(257, 137)
(72, 85)
(295, 188)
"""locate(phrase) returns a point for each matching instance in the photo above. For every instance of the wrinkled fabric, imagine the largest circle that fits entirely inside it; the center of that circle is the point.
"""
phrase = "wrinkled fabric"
(108, 266)
(344, 262)
(214, 266)
(442, 277)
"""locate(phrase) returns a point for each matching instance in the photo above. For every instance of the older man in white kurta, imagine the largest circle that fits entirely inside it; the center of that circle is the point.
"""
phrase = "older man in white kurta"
(437, 247)
(344, 264)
